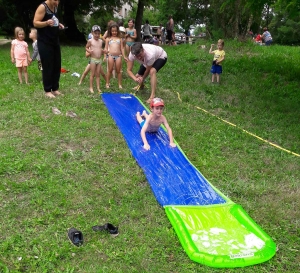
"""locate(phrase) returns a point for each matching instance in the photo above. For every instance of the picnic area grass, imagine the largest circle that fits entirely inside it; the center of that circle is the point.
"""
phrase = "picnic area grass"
(58, 172)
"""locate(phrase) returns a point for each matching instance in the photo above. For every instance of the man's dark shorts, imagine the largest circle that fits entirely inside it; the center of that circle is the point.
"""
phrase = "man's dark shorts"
(158, 64)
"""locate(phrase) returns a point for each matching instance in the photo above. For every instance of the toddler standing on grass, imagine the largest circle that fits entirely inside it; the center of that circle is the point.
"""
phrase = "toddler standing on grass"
(94, 47)
(219, 56)
(19, 54)
(35, 54)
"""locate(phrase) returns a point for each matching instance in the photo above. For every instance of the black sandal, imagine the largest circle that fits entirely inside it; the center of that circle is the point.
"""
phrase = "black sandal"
(107, 227)
(75, 236)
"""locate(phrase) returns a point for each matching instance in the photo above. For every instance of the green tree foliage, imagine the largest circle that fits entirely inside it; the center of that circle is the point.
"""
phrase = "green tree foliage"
(285, 24)
(71, 14)
(222, 18)
(184, 12)
(141, 11)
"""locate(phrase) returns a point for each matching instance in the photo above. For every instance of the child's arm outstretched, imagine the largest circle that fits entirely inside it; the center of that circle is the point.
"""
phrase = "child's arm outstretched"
(106, 50)
(221, 59)
(170, 133)
(123, 51)
(88, 47)
(211, 49)
(35, 52)
(12, 55)
(132, 36)
(28, 56)
(143, 134)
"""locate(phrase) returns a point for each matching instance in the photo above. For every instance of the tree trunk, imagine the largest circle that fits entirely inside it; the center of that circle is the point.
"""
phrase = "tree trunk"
(250, 22)
(72, 32)
(139, 18)
(237, 18)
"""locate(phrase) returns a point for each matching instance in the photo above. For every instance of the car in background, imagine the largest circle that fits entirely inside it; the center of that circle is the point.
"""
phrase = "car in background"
(153, 30)
(180, 37)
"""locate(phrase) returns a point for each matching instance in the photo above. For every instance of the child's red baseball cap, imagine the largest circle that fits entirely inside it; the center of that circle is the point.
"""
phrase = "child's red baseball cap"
(157, 102)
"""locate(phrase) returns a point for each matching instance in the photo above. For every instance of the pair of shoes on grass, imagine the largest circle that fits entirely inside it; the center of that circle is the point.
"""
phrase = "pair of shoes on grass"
(76, 237)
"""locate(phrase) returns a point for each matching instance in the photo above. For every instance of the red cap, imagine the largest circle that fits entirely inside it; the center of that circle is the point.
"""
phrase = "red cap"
(157, 102)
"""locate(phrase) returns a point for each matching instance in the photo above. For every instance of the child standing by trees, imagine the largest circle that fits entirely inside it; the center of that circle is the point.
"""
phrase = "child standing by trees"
(130, 35)
(115, 50)
(19, 54)
(219, 56)
(94, 47)
(35, 54)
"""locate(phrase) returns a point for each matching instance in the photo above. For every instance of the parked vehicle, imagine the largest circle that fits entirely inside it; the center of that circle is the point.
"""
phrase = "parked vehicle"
(180, 37)
(153, 30)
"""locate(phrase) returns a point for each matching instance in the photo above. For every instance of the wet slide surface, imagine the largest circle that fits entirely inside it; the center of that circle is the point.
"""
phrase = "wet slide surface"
(212, 229)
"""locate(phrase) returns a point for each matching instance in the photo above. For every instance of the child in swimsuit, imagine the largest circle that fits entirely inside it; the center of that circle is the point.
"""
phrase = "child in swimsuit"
(94, 47)
(115, 50)
(151, 122)
(130, 35)
(88, 67)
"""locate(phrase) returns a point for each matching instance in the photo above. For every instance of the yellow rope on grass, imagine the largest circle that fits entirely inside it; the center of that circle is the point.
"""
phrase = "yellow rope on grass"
(247, 132)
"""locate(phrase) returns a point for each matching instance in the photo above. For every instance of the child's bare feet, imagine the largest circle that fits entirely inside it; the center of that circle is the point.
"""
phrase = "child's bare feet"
(56, 93)
(49, 95)
(107, 86)
(79, 83)
(99, 91)
(149, 100)
(91, 90)
(120, 87)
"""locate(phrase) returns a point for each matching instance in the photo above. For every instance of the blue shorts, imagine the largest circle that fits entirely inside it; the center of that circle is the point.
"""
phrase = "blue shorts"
(216, 69)
(142, 123)
(267, 43)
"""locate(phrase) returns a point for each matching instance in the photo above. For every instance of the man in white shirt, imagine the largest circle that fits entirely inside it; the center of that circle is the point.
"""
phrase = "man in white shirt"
(152, 58)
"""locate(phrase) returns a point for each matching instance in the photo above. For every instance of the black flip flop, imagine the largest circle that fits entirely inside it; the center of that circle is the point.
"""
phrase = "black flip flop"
(75, 236)
(107, 227)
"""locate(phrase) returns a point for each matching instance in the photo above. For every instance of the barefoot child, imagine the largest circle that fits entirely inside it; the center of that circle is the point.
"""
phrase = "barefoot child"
(19, 53)
(94, 47)
(115, 50)
(151, 123)
(219, 56)
(130, 35)
(35, 54)
(88, 67)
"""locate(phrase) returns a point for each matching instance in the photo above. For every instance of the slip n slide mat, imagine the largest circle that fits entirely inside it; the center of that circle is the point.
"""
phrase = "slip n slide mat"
(212, 229)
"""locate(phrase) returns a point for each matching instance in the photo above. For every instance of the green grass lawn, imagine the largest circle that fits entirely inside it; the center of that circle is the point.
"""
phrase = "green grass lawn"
(59, 172)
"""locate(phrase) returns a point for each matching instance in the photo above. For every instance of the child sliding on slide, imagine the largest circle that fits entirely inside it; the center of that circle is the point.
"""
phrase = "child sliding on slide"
(151, 123)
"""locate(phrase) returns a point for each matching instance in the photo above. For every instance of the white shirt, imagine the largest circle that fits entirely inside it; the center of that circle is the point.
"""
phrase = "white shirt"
(151, 54)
